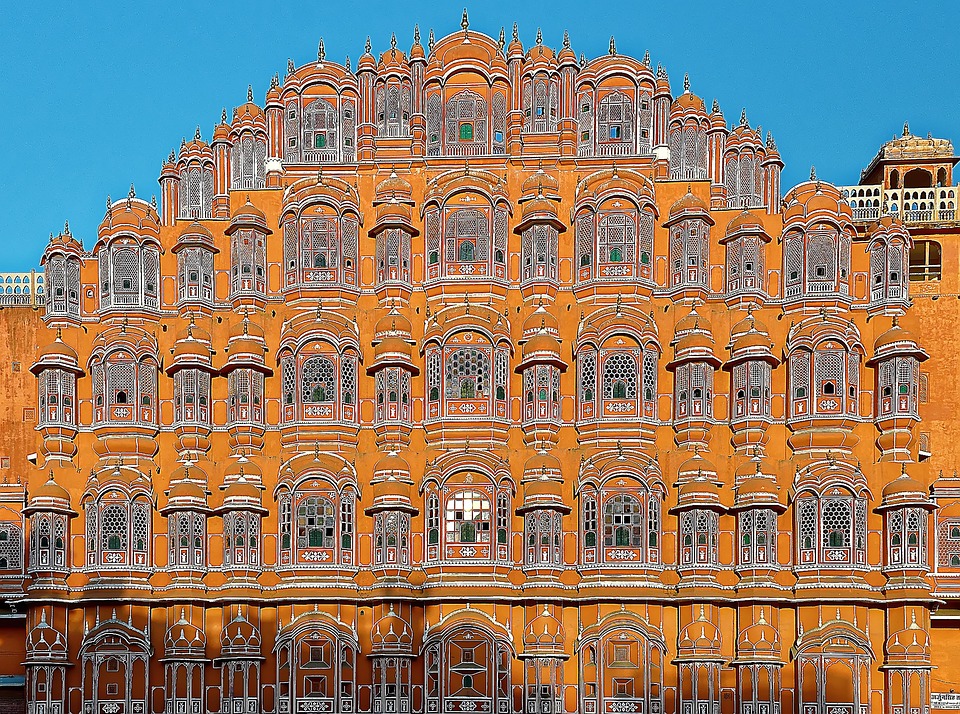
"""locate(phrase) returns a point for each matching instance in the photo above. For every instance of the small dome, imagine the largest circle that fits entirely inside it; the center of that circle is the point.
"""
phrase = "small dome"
(689, 101)
(541, 344)
(700, 638)
(248, 216)
(759, 638)
(394, 187)
(241, 491)
(695, 466)
(45, 642)
(394, 347)
(912, 643)
(693, 320)
(57, 354)
(393, 323)
(391, 633)
(688, 202)
(544, 634)
(540, 183)
(540, 464)
(541, 320)
(239, 636)
(700, 491)
(50, 495)
(183, 638)
(186, 490)
(745, 222)
(391, 464)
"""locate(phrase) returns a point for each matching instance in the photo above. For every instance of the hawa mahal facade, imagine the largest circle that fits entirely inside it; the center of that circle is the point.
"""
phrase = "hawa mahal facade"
(483, 378)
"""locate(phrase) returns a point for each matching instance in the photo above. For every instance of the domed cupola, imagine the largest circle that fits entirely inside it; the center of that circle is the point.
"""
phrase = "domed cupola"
(184, 640)
(45, 644)
(544, 636)
(192, 350)
(689, 228)
(58, 356)
(239, 638)
(61, 262)
(744, 243)
(392, 509)
(759, 641)
(246, 348)
(393, 232)
(391, 635)
(700, 640)
(540, 366)
(542, 484)
(195, 248)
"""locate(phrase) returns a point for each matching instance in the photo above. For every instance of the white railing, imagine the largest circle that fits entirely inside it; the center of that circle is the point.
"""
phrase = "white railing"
(913, 205)
(21, 289)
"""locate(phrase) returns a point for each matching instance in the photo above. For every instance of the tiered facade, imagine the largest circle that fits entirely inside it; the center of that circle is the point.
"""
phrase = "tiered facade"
(481, 379)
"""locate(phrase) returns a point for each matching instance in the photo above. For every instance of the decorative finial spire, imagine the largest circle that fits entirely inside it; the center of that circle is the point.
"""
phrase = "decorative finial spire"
(539, 37)
(196, 134)
(132, 193)
(465, 21)
(249, 92)
(502, 40)
(813, 173)
(367, 46)
(716, 107)
(430, 41)
(743, 117)
(321, 51)
(583, 60)
(686, 82)
(906, 128)
(223, 112)
(661, 72)
(347, 64)
(516, 33)
(153, 200)
(646, 58)
(416, 35)
(613, 45)
(566, 40)
(393, 40)
(66, 228)
(290, 67)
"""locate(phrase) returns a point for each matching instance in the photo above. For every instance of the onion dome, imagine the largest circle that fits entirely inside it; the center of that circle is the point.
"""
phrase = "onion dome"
(663, 82)
(540, 183)
(749, 341)
(901, 489)
(515, 48)
(716, 117)
(184, 639)
(688, 101)
(196, 235)
(391, 634)
(812, 200)
(759, 641)
(242, 469)
(64, 242)
(540, 344)
(393, 60)
(131, 216)
(392, 485)
(544, 636)
(540, 320)
(242, 495)
(700, 492)
(896, 342)
(49, 496)
(909, 645)
(393, 324)
(185, 494)
(249, 113)
(393, 204)
(248, 216)
(699, 640)
(542, 484)
(192, 350)
(566, 55)
(367, 62)
(743, 135)
(45, 643)
(688, 206)
(246, 348)
(697, 466)
(746, 223)
(756, 486)
(221, 132)
(393, 352)
(57, 355)
(416, 50)
(693, 342)
(539, 201)
(239, 638)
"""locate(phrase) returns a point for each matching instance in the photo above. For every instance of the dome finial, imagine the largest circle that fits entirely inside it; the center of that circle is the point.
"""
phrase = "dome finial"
(66, 228)
(249, 92)
(906, 128)
(502, 40)
(393, 41)
(416, 35)
(367, 46)
(813, 173)
(613, 45)
(321, 51)
(465, 21)
(539, 37)
(223, 112)
(566, 40)
(716, 106)
(132, 193)
(430, 40)
(686, 83)
(196, 134)
(743, 117)
(290, 66)
(646, 58)
(516, 33)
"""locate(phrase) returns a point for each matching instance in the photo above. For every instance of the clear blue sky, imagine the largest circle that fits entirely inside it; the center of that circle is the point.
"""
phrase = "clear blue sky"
(95, 97)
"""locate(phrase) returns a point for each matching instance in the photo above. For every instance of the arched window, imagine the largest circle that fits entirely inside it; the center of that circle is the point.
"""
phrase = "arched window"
(539, 247)
(249, 157)
(751, 390)
(118, 532)
(125, 390)
(742, 171)
(620, 376)
(248, 255)
(907, 538)
(757, 531)
(186, 539)
(542, 533)
(467, 518)
(245, 396)
(241, 540)
(191, 396)
(467, 374)
(57, 393)
(393, 256)
(467, 242)
(688, 153)
(321, 131)
(11, 547)
(466, 124)
(391, 539)
(832, 531)
(318, 382)
(323, 529)
(615, 124)
(196, 192)
(623, 522)
(63, 281)
(195, 275)
(699, 530)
